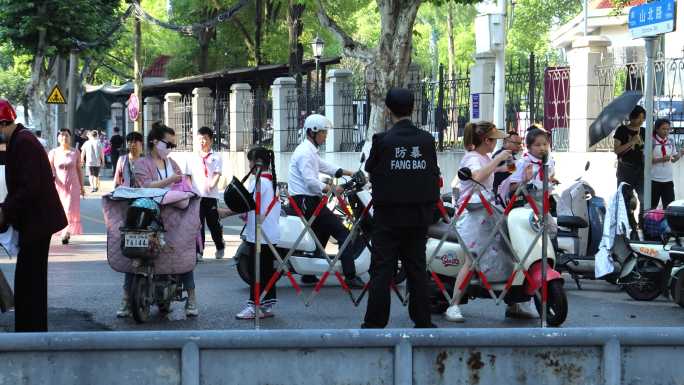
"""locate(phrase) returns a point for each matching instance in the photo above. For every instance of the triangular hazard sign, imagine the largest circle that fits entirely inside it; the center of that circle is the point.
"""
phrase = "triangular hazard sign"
(56, 96)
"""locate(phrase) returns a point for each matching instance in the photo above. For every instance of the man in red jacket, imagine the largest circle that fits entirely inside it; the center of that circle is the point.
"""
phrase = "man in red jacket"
(33, 208)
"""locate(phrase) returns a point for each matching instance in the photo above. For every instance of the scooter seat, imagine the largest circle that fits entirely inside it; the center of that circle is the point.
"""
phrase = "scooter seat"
(439, 229)
(572, 222)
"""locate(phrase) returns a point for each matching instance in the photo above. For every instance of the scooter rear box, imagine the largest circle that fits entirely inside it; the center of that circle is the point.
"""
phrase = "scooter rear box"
(674, 213)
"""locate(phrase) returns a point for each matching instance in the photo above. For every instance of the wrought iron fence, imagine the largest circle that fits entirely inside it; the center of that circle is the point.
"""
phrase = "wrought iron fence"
(442, 108)
(217, 111)
(524, 92)
(615, 77)
(355, 116)
(181, 121)
(301, 103)
(262, 121)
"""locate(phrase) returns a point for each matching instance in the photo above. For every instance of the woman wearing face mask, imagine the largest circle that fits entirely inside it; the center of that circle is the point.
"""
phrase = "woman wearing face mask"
(157, 170)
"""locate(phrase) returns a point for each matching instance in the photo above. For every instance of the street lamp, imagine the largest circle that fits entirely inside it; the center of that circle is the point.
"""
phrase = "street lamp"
(317, 46)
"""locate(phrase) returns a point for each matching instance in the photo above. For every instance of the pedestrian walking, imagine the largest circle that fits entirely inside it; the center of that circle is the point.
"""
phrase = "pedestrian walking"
(405, 176)
(33, 208)
(92, 155)
(628, 144)
(66, 167)
(205, 168)
(116, 143)
(157, 170)
(664, 155)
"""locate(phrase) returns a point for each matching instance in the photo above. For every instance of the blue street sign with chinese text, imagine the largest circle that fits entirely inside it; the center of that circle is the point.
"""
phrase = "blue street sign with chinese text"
(476, 106)
(652, 19)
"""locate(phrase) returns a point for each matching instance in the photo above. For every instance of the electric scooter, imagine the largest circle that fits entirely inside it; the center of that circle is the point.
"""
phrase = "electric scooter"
(521, 227)
(640, 267)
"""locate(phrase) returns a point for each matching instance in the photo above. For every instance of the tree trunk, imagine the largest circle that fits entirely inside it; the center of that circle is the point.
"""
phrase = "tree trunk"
(203, 59)
(257, 32)
(294, 28)
(450, 31)
(36, 90)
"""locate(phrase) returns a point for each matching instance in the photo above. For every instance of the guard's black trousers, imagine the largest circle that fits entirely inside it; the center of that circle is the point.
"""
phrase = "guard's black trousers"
(326, 225)
(209, 214)
(389, 244)
(30, 286)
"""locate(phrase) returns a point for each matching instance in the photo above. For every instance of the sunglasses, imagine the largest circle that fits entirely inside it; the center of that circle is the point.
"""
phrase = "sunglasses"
(169, 145)
(5, 123)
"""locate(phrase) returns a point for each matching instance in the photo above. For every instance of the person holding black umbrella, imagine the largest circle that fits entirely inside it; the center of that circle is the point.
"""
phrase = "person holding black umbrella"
(628, 144)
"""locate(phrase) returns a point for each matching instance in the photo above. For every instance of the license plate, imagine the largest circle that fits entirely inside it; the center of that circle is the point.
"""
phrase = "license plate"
(136, 240)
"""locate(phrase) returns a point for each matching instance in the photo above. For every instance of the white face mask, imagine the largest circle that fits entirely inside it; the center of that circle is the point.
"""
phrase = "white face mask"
(162, 150)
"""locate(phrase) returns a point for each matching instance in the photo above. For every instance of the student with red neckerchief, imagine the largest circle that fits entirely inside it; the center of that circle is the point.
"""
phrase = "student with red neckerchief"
(664, 154)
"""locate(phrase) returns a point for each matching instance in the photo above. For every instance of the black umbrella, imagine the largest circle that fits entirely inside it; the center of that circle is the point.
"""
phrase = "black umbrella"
(613, 115)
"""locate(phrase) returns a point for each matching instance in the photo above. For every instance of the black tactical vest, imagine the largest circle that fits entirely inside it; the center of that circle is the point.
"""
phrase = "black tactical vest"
(403, 166)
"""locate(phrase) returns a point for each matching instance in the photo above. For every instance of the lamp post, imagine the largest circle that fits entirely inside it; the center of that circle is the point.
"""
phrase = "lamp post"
(317, 46)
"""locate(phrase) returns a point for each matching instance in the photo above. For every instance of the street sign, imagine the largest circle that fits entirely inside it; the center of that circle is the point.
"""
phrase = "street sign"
(133, 107)
(56, 96)
(476, 106)
(652, 19)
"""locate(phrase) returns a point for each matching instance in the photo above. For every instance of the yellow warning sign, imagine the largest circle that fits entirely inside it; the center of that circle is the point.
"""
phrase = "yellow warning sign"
(56, 96)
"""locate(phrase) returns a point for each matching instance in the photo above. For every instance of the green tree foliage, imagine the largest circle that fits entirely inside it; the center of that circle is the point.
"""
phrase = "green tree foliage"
(14, 75)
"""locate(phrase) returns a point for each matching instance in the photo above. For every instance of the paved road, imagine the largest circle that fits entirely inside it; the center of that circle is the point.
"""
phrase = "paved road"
(84, 294)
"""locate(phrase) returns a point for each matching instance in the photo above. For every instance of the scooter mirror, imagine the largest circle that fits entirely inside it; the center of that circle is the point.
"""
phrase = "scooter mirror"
(586, 166)
(465, 174)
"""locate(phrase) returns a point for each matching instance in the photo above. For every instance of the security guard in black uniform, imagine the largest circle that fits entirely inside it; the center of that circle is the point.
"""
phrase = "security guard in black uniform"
(405, 179)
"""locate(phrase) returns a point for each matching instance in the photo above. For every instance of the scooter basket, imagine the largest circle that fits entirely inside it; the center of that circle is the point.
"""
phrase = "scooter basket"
(141, 244)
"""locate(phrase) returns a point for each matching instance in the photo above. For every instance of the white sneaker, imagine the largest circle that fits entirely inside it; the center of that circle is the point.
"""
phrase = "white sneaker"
(191, 309)
(248, 312)
(453, 314)
(124, 310)
(522, 310)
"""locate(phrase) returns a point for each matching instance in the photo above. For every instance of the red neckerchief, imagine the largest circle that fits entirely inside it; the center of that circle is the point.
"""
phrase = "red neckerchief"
(662, 143)
(204, 162)
(538, 162)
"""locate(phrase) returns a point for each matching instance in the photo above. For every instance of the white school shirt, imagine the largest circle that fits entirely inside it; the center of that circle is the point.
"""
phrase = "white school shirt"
(475, 161)
(195, 166)
(662, 172)
(522, 163)
(270, 224)
(305, 165)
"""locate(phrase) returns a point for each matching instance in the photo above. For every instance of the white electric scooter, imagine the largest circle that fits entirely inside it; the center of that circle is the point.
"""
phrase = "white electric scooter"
(522, 229)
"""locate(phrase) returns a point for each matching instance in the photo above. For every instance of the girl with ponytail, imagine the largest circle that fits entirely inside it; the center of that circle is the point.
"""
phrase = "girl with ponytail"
(262, 163)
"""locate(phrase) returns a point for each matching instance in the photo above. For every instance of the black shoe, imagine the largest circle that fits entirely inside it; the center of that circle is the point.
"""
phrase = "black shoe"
(309, 280)
(355, 283)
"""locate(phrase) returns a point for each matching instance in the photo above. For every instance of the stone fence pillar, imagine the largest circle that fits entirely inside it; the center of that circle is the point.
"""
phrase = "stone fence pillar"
(339, 96)
(202, 115)
(283, 91)
(482, 89)
(117, 110)
(241, 116)
(585, 95)
(152, 113)
(171, 101)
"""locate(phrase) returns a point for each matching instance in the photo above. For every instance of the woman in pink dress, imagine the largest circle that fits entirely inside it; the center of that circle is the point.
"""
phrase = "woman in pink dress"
(66, 167)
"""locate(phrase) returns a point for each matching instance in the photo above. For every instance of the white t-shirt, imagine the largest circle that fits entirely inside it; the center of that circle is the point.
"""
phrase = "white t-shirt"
(270, 224)
(203, 169)
(529, 159)
(93, 152)
(662, 172)
(475, 161)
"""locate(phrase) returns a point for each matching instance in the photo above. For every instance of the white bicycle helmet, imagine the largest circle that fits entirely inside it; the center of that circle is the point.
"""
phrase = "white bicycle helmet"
(317, 122)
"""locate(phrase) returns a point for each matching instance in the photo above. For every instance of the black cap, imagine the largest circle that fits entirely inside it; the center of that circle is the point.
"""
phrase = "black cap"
(399, 101)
